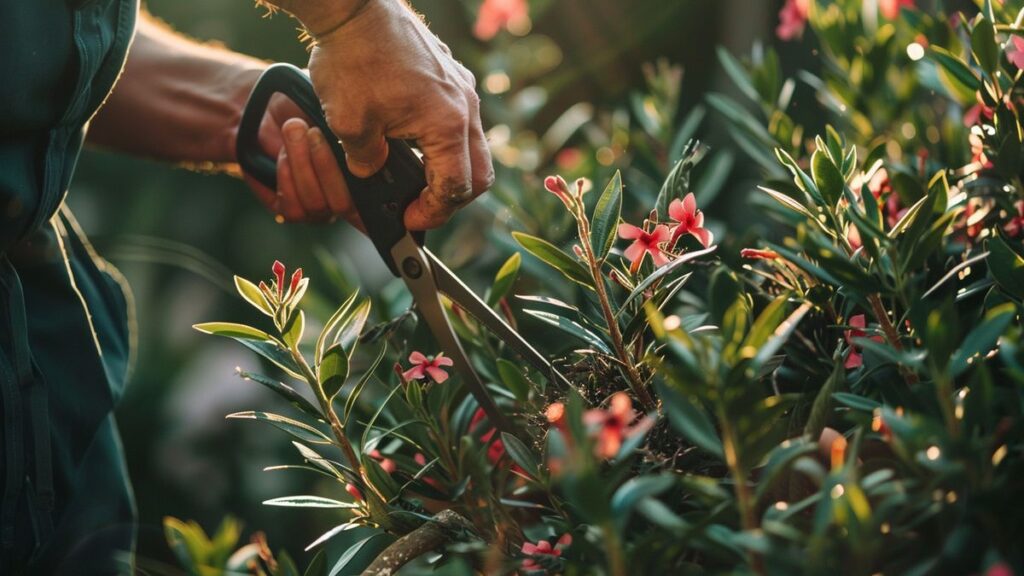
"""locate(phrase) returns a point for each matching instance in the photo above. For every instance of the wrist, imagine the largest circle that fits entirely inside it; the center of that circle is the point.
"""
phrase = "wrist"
(321, 18)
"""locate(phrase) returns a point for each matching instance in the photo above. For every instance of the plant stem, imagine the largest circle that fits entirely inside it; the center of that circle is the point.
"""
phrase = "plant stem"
(337, 428)
(890, 334)
(744, 499)
(636, 383)
(615, 559)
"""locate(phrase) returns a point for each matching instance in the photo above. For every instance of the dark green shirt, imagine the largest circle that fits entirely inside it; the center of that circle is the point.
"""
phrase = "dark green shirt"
(64, 337)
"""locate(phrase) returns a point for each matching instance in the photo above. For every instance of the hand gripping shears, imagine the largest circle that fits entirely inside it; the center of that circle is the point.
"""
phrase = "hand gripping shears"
(380, 201)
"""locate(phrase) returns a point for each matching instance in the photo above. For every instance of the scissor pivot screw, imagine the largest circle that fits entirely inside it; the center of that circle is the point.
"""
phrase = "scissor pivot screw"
(412, 268)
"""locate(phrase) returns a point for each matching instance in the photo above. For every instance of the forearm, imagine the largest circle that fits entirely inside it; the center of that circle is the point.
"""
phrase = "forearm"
(177, 100)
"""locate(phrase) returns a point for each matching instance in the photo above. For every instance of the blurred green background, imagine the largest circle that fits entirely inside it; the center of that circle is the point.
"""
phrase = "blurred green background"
(179, 236)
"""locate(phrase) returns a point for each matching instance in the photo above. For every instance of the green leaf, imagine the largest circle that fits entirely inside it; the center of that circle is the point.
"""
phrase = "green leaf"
(1006, 266)
(822, 407)
(664, 272)
(738, 74)
(571, 327)
(292, 333)
(188, 541)
(353, 396)
(512, 377)
(504, 279)
(318, 566)
(984, 338)
(285, 391)
(340, 567)
(958, 74)
(352, 327)
(764, 326)
(984, 46)
(856, 401)
(827, 177)
(551, 255)
(779, 459)
(636, 490)
(688, 416)
(331, 324)
(605, 222)
(520, 453)
(300, 430)
(333, 371)
(232, 330)
(275, 352)
(308, 502)
(253, 295)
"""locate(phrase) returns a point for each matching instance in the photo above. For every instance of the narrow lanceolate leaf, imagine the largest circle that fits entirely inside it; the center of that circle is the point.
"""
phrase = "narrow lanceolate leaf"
(1006, 266)
(512, 377)
(504, 279)
(688, 416)
(333, 371)
(957, 70)
(308, 502)
(984, 338)
(665, 271)
(519, 453)
(300, 430)
(232, 330)
(605, 221)
(331, 324)
(352, 327)
(554, 257)
(285, 391)
(328, 535)
(342, 565)
(571, 327)
(253, 295)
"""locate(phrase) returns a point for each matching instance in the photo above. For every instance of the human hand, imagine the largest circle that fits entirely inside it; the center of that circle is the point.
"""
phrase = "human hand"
(382, 73)
(310, 185)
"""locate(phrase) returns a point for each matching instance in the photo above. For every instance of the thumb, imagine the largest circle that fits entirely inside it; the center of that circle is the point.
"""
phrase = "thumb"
(365, 153)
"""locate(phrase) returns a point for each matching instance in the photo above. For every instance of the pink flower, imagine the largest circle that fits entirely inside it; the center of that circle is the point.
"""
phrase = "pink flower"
(891, 8)
(757, 254)
(691, 221)
(496, 448)
(611, 426)
(974, 114)
(853, 237)
(1016, 55)
(894, 210)
(497, 14)
(1015, 226)
(857, 323)
(543, 548)
(643, 243)
(792, 19)
(386, 464)
(423, 367)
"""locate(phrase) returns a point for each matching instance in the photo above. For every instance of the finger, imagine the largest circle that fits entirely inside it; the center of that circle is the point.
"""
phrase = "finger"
(287, 204)
(332, 181)
(449, 179)
(307, 186)
(482, 170)
(366, 154)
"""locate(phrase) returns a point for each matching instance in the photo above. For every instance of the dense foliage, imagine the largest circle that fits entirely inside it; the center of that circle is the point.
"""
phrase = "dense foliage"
(845, 395)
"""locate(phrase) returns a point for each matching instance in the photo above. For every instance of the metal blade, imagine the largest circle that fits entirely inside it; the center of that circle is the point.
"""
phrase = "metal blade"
(450, 284)
(418, 274)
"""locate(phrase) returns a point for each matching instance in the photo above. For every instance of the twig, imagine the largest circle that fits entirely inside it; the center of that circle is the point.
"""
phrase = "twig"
(445, 526)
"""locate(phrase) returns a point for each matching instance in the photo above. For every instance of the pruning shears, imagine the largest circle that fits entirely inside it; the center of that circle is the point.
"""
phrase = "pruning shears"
(380, 201)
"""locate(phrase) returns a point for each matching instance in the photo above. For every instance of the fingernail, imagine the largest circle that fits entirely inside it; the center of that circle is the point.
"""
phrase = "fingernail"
(294, 134)
(316, 137)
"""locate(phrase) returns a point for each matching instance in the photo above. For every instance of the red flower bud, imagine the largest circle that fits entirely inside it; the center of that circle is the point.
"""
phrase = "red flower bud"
(351, 489)
(296, 277)
(278, 269)
(756, 254)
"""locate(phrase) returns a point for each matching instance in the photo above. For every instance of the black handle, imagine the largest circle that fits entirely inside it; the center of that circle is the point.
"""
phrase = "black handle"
(380, 199)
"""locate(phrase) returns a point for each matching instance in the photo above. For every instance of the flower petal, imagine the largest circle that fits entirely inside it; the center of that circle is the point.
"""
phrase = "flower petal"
(629, 232)
(437, 374)
(414, 373)
(442, 360)
(676, 210)
(634, 252)
(417, 357)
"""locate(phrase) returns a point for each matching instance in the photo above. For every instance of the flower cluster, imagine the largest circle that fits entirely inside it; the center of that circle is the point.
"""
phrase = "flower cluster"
(659, 240)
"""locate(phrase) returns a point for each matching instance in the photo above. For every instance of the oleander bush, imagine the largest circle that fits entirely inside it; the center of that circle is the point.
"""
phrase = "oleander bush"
(844, 395)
